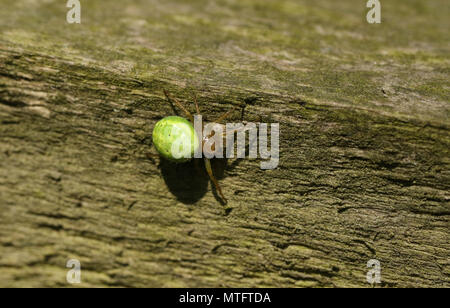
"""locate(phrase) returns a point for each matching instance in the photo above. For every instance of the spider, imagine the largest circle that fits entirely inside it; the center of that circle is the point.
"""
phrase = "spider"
(172, 129)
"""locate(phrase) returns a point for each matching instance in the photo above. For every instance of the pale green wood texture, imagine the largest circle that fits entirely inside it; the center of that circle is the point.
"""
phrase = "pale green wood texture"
(363, 112)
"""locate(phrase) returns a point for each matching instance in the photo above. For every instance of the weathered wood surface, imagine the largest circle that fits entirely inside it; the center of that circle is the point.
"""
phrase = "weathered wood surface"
(364, 170)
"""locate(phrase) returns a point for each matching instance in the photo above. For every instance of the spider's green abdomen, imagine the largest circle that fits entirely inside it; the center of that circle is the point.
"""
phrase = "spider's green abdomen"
(175, 139)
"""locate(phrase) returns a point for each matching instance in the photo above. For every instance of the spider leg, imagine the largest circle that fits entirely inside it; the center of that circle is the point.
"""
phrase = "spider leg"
(214, 180)
(196, 103)
(225, 115)
(180, 105)
(237, 130)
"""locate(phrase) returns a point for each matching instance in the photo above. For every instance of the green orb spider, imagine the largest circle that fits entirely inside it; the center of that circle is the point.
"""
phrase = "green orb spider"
(170, 129)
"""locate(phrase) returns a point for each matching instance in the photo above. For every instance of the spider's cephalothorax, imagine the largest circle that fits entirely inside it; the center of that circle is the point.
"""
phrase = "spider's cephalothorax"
(176, 139)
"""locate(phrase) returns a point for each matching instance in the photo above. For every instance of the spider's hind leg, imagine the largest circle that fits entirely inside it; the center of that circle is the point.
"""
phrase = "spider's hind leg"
(196, 103)
(180, 105)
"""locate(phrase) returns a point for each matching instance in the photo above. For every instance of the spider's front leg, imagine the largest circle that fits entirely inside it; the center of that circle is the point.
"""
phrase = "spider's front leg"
(214, 180)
